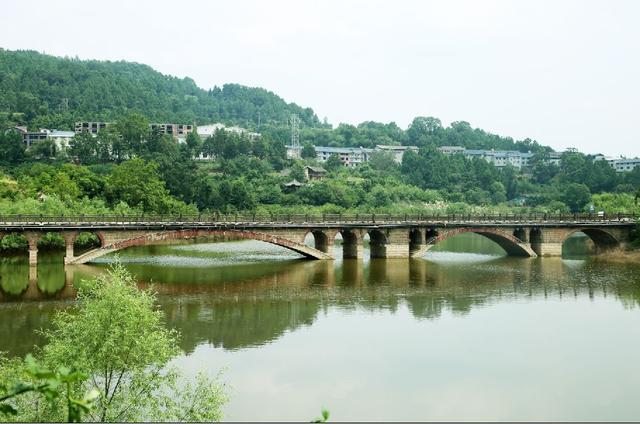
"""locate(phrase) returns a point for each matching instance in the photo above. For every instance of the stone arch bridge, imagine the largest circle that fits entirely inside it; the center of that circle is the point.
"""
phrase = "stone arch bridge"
(390, 236)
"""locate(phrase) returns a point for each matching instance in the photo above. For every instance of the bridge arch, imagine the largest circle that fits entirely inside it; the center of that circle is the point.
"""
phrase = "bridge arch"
(510, 243)
(145, 239)
(602, 239)
(322, 240)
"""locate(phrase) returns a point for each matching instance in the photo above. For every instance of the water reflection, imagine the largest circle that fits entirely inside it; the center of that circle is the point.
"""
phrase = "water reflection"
(237, 305)
(464, 334)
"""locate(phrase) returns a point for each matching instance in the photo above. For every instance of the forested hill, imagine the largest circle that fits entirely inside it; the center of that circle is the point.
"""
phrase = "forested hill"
(45, 91)
(52, 92)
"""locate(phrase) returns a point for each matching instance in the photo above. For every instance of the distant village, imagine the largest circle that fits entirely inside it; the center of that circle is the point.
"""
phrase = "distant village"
(349, 156)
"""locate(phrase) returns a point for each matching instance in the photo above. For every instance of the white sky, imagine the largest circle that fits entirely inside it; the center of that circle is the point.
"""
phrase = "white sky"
(566, 73)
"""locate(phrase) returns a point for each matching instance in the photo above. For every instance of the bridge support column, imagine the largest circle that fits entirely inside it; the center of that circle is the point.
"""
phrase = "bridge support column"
(32, 239)
(416, 242)
(69, 239)
(397, 244)
(548, 241)
(352, 245)
(323, 241)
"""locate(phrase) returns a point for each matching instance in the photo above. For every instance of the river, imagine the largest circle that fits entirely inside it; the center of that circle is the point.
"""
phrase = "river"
(463, 334)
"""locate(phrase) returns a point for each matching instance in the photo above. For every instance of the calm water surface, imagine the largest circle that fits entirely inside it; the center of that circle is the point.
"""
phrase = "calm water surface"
(453, 336)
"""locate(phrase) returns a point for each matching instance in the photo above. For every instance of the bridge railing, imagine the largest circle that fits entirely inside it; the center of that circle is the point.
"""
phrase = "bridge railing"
(360, 218)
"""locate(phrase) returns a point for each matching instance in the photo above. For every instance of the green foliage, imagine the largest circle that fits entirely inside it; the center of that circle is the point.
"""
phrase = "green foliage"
(12, 150)
(116, 336)
(323, 418)
(54, 386)
(333, 163)
(615, 202)
(52, 92)
(576, 196)
(308, 151)
(138, 184)
(297, 172)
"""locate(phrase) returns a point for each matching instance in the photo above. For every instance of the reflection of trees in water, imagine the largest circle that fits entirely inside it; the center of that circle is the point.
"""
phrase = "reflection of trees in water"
(239, 306)
(245, 323)
(20, 325)
(259, 311)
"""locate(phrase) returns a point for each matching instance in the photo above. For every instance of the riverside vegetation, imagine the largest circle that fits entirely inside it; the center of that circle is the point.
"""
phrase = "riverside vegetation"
(107, 358)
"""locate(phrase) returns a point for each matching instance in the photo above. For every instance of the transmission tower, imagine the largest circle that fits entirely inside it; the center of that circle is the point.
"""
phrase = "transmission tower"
(294, 121)
(294, 151)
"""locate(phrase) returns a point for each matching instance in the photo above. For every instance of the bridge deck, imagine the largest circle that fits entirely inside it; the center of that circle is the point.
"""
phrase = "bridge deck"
(237, 221)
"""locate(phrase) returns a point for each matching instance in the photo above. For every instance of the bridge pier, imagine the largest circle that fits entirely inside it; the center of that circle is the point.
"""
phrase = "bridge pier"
(32, 239)
(352, 244)
(396, 245)
(69, 239)
(417, 242)
(548, 242)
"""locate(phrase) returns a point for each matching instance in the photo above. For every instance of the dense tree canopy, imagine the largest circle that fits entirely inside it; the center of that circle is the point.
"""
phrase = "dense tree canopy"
(51, 92)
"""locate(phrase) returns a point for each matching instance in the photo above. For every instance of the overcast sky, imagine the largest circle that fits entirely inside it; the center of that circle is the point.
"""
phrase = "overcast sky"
(565, 73)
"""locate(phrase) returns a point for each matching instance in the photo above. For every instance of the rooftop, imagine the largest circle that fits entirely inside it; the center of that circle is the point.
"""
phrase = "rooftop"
(59, 133)
(327, 149)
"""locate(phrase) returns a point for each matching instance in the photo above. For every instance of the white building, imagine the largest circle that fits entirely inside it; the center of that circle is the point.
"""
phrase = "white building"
(498, 158)
(625, 165)
(555, 158)
(350, 156)
(62, 138)
(205, 131)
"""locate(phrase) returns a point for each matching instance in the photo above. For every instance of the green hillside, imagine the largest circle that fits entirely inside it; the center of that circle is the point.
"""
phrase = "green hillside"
(42, 90)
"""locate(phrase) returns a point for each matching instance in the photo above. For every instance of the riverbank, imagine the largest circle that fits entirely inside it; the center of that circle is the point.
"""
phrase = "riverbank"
(620, 256)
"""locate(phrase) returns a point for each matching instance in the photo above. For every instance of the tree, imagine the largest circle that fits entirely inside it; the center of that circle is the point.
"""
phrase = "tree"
(84, 148)
(421, 128)
(111, 146)
(379, 196)
(576, 196)
(134, 129)
(334, 163)
(383, 161)
(12, 150)
(308, 151)
(137, 183)
(54, 386)
(115, 335)
(43, 150)
(498, 192)
(542, 169)
(297, 172)
(194, 142)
